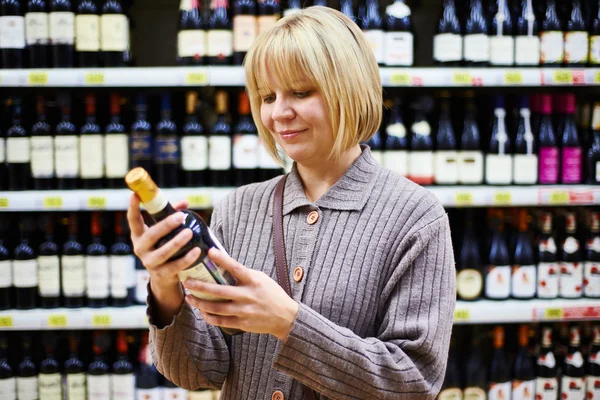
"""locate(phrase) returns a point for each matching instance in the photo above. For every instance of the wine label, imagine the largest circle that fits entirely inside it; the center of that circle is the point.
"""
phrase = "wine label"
(266, 22)
(97, 273)
(140, 146)
(12, 32)
(523, 390)
(175, 393)
(62, 27)
(446, 167)
(18, 150)
(447, 47)
(595, 49)
(397, 161)
(66, 156)
(117, 155)
(500, 391)
(91, 153)
(474, 393)
(115, 32)
(219, 153)
(25, 273)
(591, 279)
(200, 271)
(470, 167)
(523, 281)
(141, 286)
(498, 169)
(572, 388)
(571, 165)
(377, 156)
(122, 275)
(37, 28)
(571, 279)
(27, 388)
(194, 153)
(548, 275)
(546, 388)
(220, 43)
(399, 49)
(525, 168)
(592, 384)
(166, 150)
(8, 388)
(497, 282)
(123, 387)
(376, 39)
(191, 43)
(502, 50)
(50, 386)
(6, 274)
(450, 394)
(421, 166)
(98, 387)
(73, 275)
(49, 276)
(552, 47)
(477, 47)
(148, 394)
(576, 47)
(245, 30)
(245, 151)
(76, 387)
(527, 50)
(87, 33)
(469, 284)
(548, 165)
(2, 150)
(597, 175)
(42, 156)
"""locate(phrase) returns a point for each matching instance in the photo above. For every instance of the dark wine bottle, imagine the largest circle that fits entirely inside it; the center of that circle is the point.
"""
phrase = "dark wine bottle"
(420, 159)
(166, 147)
(37, 33)
(140, 143)
(395, 156)
(527, 42)
(447, 42)
(573, 378)
(25, 268)
(114, 41)
(6, 278)
(524, 273)
(142, 277)
(593, 153)
(18, 150)
(66, 148)
(591, 274)
(12, 27)
(346, 8)
(594, 56)
(446, 166)
(500, 385)
(8, 383)
(98, 376)
(62, 33)
(451, 388)
(498, 271)
(547, 371)
(50, 379)
(27, 374)
(551, 34)
(123, 378)
(191, 38)
(475, 374)
(42, 149)
(48, 266)
(91, 150)
(476, 45)
(116, 144)
(548, 268)
(147, 378)
(576, 37)
(524, 370)
(525, 160)
(97, 266)
(87, 34)
(73, 266)
(571, 150)
(593, 366)
(219, 143)
(122, 265)
(220, 35)
(469, 280)
(194, 145)
(399, 37)
(245, 144)
(372, 26)
(268, 14)
(470, 156)
(499, 159)
(75, 385)
(571, 267)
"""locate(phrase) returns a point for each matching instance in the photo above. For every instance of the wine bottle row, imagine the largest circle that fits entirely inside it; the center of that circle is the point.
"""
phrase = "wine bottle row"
(521, 261)
(539, 365)
(60, 34)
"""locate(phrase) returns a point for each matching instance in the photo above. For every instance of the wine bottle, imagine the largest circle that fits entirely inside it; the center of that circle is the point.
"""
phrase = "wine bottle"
(527, 41)
(573, 379)
(116, 146)
(6, 277)
(268, 14)
(498, 271)
(245, 144)
(122, 265)
(446, 166)
(159, 208)
(593, 366)
(173, 392)
(73, 275)
(194, 145)
(97, 266)
(42, 149)
(451, 388)
(420, 159)
(87, 34)
(447, 42)
(372, 26)
(37, 33)
(552, 44)
(12, 31)
(395, 156)
(524, 372)
(469, 280)
(591, 275)
(502, 42)
(66, 148)
(191, 38)
(346, 8)
(98, 377)
(3, 167)
(50, 379)
(593, 153)
(166, 146)
(500, 385)
(594, 56)
(525, 161)
(576, 36)
(147, 378)
(25, 268)
(8, 384)
(475, 376)
(376, 145)
(18, 150)
(548, 269)
(62, 33)
(523, 279)
(476, 44)
(470, 156)
(399, 37)
(219, 144)
(499, 160)
(220, 36)
(548, 144)
(571, 146)
(114, 41)
(546, 381)
(91, 148)
(245, 28)
(571, 268)
(27, 377)
(140, 142)
(142, 277)
(75, 385)
(122, 378)
(48, 266)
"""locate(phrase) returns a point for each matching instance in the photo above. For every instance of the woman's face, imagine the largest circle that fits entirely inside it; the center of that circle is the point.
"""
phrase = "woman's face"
(298, 120)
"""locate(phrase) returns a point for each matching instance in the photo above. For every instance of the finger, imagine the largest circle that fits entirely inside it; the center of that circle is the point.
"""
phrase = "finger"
(214, 289)
(134, 217)
(162, 229)
(226, 308)
(181, 205)
(168, 250)
(237, 270)
(225, 321)
(174, 267)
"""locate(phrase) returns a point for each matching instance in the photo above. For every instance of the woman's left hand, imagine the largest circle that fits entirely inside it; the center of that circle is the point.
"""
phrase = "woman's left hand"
(257, 303)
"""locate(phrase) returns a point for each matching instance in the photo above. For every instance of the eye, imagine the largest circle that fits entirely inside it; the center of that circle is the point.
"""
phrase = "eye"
(302, 95)
(268, 99)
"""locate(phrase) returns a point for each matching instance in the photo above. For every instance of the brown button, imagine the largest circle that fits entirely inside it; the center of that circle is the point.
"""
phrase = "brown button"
(277, 395)
(312, 217)
(298, 274)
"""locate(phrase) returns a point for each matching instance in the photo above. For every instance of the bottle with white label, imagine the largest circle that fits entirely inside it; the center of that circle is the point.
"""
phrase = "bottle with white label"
(527, 41)
(395, 156)
(97, 266)
(399, 39)
(42, 149)
(470, 156)
(500, 385)
(98, 376)
(573, 379)
(548, 270)
(72, 266)
(551, 35)
(37, 33)
(87, 34)
(594, 56)
(27, 373)
(372, 26)
(469, 277)
(194, 145)
(66, 148)
(12, 34)
(122, 378)
(50, 378)
(75, 385)
(219, 143)
(191, 38)
(269, 12)
(62, 33)
(8, 384)
(498, 271)
(91, 148)
(576, 37)
(502, 41)
(546, 382)
(524, 370)
(25, 268)
(499, 159)
(525, 160)
(116, 146)
(48, 266)
(245, 144)
(446, 166)
(122, 265)
(591, 274)
(6, 278)
(448, 42)
(114, 39)
(476, 45)
(593, 366)
(3, 168)
(524, 273)
(18, 149)
(245, 28)
(147, 378)
(571, 266)
(220, 35)
(421, 166)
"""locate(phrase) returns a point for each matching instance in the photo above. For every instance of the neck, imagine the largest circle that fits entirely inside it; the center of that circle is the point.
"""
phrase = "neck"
(317, 179)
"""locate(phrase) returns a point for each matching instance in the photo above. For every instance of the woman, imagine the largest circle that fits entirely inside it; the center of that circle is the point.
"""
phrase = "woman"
(370, 255)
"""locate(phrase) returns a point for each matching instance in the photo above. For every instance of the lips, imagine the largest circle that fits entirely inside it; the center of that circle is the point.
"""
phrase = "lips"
(290, 134)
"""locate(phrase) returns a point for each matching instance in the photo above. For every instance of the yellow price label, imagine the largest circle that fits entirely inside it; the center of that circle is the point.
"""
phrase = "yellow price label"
(38, 78)
(196, 78)
(96, 202)
(101, 320)
(502, 198)
(199, 200)
(399, 79)
(53, 202)
(553, 313)
(596, 77)
(559, 197)
(94, 78)
(462, 78)
(463, 199)
(563, 76)
(6, 321)
(57, 321)
(461, 315)
(513, 78)
(3, 202)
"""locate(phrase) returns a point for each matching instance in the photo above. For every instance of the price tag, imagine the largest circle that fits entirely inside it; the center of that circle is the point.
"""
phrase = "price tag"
(53, 202)
(461, 78)
(196, 78)
(6, 321)
(463, 199)
(3, 202)
(38, 78)
(94, 78)
(563, 77)
(199, 200)
(96, 202)
(553, 313)
(57, 321)
(101, 320)
(461, 315)
(399, 79)
(596, 77)
(502, 198)
(513, 78)
(559, 197)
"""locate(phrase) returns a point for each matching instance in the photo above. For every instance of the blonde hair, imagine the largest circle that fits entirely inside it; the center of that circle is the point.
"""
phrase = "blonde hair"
(324, 47)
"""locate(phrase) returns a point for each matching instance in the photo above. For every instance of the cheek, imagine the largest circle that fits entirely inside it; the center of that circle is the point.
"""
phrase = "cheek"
(265, 117)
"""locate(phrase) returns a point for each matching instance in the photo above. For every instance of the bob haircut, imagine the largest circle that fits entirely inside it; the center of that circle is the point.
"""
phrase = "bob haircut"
(322, 47)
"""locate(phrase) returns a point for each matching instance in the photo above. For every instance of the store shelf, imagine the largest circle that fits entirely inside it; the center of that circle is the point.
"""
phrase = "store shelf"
(202, 198)
(234, 76)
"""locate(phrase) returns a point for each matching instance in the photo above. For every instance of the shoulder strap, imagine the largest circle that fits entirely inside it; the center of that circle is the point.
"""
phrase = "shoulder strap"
(278, 240)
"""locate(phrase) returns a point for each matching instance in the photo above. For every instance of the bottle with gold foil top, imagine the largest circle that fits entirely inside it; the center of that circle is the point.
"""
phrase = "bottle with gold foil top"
(219, 143)
(194, 144)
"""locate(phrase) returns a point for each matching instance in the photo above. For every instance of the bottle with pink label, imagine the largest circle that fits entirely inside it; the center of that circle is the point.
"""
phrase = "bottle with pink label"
(571, 146)
(548, 152)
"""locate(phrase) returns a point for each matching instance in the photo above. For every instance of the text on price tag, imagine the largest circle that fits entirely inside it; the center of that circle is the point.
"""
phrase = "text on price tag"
(94, 78)
(513, 78)
(553, 313)
(96, 202)
(6, 321)
(399, 79)
(463, 199)
(559, 197)
(461, 315)
(3, 202)
(461, 78)
(563, 76)
(502, 198)
(196, 78)
(57, 321)
(38, 78)
(53, 202)
(199, 200)
(101, 320)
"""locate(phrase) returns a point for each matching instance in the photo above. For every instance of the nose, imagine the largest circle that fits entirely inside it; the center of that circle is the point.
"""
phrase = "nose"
(282, 109)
